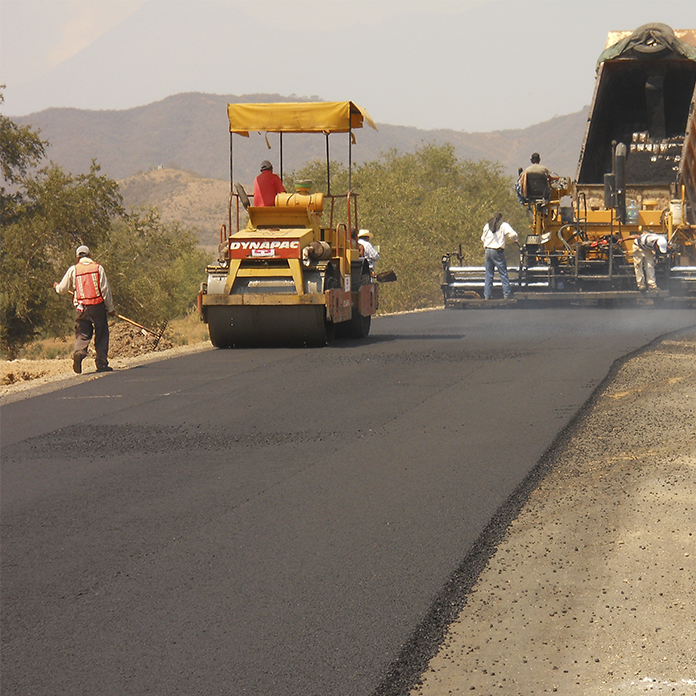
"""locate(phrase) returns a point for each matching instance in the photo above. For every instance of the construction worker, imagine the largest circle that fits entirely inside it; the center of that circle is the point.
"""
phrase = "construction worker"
(367, 250)
(645, 246)
(536, 169)
(495, 234)
(266, 186)
(87, 282)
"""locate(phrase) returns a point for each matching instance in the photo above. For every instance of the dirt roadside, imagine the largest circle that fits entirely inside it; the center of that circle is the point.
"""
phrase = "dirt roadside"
(592, 590)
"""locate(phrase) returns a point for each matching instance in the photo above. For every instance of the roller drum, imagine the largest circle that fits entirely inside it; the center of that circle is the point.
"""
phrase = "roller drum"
(249, 326)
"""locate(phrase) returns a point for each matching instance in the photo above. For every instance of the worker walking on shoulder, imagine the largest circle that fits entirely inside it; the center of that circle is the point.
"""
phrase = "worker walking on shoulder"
(93, 302)
(495, 234)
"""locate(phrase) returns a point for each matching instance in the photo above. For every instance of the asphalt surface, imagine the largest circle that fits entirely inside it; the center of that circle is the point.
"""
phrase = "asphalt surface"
(282, 521)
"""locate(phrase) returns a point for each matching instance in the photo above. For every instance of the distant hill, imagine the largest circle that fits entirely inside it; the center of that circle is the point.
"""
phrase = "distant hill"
(181, 197)
(190, 132)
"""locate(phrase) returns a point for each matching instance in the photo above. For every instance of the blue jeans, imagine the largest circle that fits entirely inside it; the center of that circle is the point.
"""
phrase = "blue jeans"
(495, 258)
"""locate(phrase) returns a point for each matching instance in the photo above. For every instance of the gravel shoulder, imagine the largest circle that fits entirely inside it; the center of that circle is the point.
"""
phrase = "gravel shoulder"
(591, 590)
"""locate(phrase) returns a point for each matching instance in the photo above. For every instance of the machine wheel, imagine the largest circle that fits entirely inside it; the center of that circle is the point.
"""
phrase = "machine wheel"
(244, 326)
(357, 327)
(218, 327)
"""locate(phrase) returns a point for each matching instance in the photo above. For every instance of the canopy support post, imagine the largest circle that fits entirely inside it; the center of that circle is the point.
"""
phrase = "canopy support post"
(350, 159)
(231, 165)
(328, 167)
(229, 206)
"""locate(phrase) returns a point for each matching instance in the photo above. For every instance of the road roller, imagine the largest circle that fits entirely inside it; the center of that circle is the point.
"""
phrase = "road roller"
(293, 275)
(636, 175)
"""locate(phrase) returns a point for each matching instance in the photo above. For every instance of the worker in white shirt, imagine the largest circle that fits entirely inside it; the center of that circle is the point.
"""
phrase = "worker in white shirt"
(645, 247)
(496, 232)
(87, 282)
(367, 250)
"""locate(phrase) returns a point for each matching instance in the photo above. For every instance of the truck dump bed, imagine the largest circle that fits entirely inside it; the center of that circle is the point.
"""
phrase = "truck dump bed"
(644, 97)
(636, 175)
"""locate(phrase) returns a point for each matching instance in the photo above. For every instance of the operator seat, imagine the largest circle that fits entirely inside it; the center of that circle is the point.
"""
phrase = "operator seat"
(538, 188)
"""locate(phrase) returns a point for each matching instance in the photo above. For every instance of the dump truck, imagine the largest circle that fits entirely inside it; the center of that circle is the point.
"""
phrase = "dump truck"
(636, 173)
(293, 276)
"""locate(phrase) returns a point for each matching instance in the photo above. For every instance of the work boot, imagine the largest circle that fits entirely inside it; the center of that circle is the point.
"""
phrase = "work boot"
(105, 368)
(77, 359)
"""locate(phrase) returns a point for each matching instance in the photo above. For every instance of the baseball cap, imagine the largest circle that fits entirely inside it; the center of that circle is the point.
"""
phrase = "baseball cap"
(662, 245)
(266, 165)
(82, 251)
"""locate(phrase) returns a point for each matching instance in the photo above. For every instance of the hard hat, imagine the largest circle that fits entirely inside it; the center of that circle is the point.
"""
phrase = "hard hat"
(364, 233)
(82, 251)
(266, 165)
(662, 245)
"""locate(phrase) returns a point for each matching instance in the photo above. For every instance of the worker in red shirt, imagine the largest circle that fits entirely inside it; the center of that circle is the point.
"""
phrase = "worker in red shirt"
(266, 186)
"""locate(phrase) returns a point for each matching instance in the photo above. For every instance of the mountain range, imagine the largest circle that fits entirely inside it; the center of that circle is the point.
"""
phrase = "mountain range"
(175, 153)
(190, 132)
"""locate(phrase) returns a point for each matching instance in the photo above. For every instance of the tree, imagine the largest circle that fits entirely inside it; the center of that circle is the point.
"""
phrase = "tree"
(20, 149)
(154, 268)
(422, 205)
(54, 213)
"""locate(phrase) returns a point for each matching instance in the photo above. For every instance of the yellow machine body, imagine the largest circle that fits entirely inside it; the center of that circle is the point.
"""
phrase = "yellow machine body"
(636, 174)
(288, 278)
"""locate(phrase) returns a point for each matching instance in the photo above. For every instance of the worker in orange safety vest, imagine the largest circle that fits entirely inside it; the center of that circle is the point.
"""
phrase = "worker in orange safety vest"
(92, 299)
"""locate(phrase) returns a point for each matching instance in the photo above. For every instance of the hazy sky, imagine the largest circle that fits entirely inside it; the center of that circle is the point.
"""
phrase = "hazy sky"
(473, 65)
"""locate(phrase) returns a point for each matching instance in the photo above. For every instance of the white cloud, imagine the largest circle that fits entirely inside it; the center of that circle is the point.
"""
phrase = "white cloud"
(85, 21)
(38, 35)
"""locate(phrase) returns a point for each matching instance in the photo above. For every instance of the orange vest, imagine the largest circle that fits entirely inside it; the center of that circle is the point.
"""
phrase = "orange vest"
(87, 291)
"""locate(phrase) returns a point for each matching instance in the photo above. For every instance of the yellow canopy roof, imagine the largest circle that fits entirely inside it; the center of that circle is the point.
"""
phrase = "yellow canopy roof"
(301, 117)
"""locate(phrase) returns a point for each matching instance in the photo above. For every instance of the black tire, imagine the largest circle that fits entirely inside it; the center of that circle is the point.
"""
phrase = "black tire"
(357, 327)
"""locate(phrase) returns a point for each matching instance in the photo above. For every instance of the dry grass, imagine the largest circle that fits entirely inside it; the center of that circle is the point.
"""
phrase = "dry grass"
(187, 330)
(180, 332)
(52, 357)
(50, 360)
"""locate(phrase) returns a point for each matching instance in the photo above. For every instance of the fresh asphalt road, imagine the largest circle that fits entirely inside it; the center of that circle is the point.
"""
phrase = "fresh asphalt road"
(277, 521)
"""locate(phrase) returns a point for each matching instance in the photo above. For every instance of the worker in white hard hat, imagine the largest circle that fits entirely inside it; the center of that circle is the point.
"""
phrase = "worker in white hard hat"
(266, 186)
(645, 247)
(370, 254)
(87, 282)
